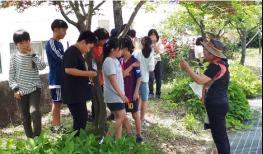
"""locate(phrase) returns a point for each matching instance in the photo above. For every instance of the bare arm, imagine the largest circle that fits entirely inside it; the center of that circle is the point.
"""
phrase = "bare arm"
(130, 68)
(200, 79)
(80, 73)
(137, 88)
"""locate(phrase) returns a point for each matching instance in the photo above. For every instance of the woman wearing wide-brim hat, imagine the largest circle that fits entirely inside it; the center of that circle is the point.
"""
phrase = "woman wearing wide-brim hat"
(215, 81)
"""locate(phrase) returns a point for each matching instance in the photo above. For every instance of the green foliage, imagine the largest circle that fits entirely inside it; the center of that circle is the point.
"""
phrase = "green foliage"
(162, 133)
(169, 106)
(231, 48)
(246, 16)
(246, 79)
(190, 123)
(183, 94)
(68, 144)
(239, 109)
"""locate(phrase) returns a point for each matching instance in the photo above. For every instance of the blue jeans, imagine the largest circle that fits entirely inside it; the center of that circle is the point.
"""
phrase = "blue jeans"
(144, 92)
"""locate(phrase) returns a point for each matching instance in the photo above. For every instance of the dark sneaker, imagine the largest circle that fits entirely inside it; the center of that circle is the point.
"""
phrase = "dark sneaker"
(158, 97)
(139, 140)
(58, 129)
(151, 96)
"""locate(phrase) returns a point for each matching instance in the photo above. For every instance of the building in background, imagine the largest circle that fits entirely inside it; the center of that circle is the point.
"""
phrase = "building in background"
(37, 21)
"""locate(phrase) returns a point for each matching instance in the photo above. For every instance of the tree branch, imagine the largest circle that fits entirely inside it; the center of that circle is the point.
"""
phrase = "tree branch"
(65, 15)
(220, 31)
(237, 28)
(192, 16)
(137, 8)
(75, 8)
(83, 9)
(99, 5)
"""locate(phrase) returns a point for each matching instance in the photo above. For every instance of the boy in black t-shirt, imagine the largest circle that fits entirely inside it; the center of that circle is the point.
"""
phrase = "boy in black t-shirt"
(76, 84)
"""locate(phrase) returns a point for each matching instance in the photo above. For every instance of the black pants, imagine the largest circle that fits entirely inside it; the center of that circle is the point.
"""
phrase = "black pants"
(29, 108)
(157, 75)
(79, 113)
(217, 121)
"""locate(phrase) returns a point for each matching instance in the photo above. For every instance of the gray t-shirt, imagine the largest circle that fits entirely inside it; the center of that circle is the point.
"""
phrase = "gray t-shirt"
(112, 67)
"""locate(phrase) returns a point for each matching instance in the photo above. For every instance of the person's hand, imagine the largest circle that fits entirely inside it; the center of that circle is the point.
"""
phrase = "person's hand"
(29, 49)
(18, 95)
(125, 74)
(92, 74)
(156, 48)
(136, 64)
(124, 99)
(184, 65)
(136, 96)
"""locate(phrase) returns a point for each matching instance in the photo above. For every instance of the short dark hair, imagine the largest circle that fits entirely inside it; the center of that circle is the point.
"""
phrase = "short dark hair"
(88, 36)
(199, 40)
(114, 33)
(154, 31)
(112, 43)
(146, 46)
(20, 36)
(132, 33)
(102, 34)
(58, 23)
(126, 42)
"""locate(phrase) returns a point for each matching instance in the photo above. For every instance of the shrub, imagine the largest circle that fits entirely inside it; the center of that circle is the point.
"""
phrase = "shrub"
(68, 144)
(246, 79)
(190, 123)
(183, 94)
(239, 109)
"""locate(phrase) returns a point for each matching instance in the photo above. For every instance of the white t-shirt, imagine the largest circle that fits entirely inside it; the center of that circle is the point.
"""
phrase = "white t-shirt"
(146, 65)
(157, 56)
(199, 51)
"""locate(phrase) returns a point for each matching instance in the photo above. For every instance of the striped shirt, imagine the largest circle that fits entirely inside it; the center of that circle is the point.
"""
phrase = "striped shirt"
(23, 76)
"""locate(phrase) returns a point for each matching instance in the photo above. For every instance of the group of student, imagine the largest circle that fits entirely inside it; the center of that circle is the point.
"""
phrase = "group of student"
(123, 76)
(122, 73)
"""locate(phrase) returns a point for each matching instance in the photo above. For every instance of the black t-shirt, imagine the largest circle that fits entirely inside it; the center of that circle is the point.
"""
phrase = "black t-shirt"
(218, 90)
(74, 89)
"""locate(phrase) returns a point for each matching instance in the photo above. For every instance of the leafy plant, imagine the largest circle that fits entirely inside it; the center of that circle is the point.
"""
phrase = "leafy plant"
(190, 123)
(246, 79)
(183, 94)
(68, 144)
(239, 109)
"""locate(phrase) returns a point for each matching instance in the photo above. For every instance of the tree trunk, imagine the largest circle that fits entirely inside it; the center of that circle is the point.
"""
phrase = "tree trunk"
(243, 45)
(90, 14)
(117, 10)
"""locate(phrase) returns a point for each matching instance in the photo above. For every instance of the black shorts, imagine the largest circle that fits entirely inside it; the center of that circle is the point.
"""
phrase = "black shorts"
(116, 106)
(56, 95)
(132, 106)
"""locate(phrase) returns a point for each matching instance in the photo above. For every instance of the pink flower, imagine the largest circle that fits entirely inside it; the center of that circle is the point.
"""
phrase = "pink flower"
(164, 41)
